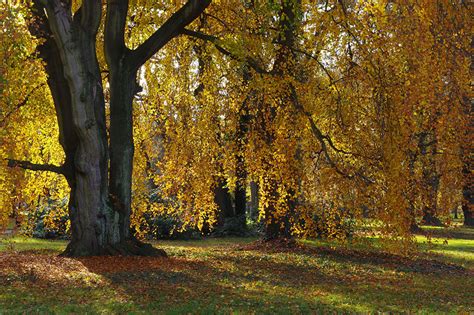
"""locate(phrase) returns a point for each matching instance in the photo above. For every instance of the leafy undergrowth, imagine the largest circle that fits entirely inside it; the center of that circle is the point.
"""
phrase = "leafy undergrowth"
(236, 275)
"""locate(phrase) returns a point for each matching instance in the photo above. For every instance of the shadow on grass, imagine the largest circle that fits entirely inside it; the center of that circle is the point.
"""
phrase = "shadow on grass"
(370, 257)
(464, 233)
(226, 278)
(185, 286)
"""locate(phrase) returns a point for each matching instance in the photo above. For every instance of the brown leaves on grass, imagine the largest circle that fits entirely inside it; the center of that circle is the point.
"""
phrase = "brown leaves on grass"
(42, 268)
(275, 272)
(47, 269)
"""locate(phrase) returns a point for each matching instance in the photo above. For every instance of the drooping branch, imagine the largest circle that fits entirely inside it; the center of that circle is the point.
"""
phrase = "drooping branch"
(216, 42)
(35, 167)
(322, 139)
(171, 28)
(20, 105)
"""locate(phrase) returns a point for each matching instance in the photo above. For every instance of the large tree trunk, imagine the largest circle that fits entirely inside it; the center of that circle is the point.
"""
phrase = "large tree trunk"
(468, 188)
(276, 225)
(427, 144)
(240, 169)
(100, 222)
(223, 201)
(88, 176)
(122, 88)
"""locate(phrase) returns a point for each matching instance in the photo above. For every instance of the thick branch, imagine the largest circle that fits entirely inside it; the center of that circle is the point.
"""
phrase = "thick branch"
(171, 28)
(36, 167)
(91, 11)
(114, 42)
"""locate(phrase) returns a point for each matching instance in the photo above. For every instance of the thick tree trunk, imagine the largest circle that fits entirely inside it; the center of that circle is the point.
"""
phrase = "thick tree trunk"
(100, 222)
(278, 225)
(468, 155)
(88, 198)
(427, 145)
(241, 172)
(468, 216)
(122, 90)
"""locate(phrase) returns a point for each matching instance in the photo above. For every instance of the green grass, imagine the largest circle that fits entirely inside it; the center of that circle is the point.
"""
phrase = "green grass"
(230, 276)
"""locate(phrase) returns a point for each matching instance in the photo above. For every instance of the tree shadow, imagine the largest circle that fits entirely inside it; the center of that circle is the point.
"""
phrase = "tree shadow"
(416, 264)
(192, 283)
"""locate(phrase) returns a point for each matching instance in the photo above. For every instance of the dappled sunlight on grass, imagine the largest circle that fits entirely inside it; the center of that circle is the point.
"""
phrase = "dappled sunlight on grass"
(236, 275)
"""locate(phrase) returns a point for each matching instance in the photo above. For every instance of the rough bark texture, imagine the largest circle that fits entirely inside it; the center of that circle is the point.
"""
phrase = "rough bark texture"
(75, 39)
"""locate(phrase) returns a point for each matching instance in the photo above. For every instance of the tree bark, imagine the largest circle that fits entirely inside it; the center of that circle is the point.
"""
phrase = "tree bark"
(241, 139)
(223, 201)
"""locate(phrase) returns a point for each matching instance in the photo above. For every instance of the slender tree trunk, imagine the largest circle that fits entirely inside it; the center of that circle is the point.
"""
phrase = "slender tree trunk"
(253, 200)
(427, 146)
(223, 201)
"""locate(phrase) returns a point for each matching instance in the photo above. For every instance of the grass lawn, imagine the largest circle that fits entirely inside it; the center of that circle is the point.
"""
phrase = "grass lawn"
(241, 276)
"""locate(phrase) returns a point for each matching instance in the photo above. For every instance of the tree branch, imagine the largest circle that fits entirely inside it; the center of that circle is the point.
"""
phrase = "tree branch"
(35, 167)
(114, 41)
(171, 28)
(20, 105)
(90, 14)
(215, 41)
(322, 140)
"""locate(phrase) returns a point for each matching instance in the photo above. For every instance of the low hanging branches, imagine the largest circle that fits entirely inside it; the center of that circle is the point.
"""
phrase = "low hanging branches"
(338, 111)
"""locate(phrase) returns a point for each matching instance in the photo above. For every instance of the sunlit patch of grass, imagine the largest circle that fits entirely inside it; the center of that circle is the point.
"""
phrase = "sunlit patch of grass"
(23, 243)
(449, 244)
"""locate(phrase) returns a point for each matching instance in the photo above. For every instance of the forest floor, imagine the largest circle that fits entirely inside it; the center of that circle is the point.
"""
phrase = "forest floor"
(241, 275)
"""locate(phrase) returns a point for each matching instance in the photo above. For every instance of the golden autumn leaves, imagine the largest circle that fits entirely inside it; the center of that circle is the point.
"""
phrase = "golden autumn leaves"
(337, 110)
